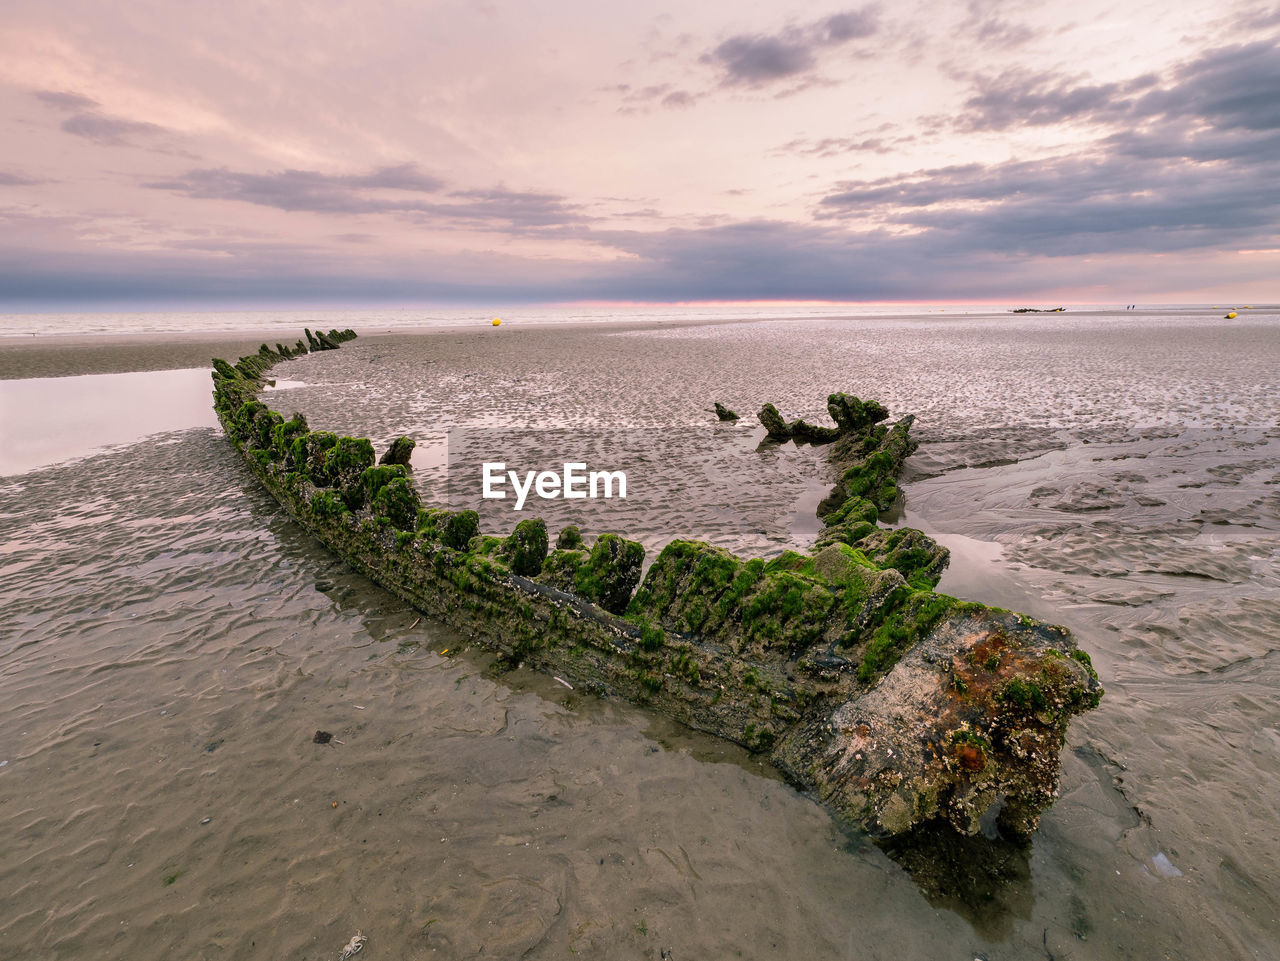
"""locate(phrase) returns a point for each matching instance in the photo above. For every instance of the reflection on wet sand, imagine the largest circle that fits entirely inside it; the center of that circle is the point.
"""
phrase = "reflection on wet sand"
(49, 420)
(985, 880)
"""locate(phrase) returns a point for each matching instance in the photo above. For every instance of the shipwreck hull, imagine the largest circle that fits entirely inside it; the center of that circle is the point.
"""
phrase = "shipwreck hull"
(894, 705)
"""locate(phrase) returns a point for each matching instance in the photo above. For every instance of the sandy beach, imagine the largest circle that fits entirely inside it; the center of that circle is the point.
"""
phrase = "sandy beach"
(972, 613)
(174, 641)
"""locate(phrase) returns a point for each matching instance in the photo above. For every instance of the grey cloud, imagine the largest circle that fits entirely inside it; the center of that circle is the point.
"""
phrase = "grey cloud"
(91, 123)
(10, 179)
(1193, 162)
(986, 24)
(679, 99)
(1232, 87)
(1075, 204)
(297, 190)
(65, 100)
(652, 92)
(781, 260)
(419, 196)
(1258, 19)
(850, 25)
(1236, 86)
(518, 208)
(664, 94)
(404, 176)
(1017, 98)
(835, 146)
(755, 60)
(742, 260)
(1172, 142)
(759, 60)
(107, 130)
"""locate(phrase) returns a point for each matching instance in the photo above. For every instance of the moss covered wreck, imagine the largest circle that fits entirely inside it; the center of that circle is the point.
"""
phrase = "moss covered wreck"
(894, 704)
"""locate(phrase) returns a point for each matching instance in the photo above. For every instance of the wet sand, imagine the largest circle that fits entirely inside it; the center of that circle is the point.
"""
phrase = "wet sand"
(71, 355)
(173, 642)
(76, 356)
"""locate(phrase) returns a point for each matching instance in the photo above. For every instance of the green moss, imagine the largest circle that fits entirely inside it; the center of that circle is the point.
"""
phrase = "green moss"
(683, 664)
(560, 569)
(783, 604)
(787, 561)
(743, 582)
(526, 548)
(459, 528)
(400, 451)
(845, 530)
(906, 618)
(651, 638)
(1024, 694)
(487, 569)
(348, 459)
(375, 478)
(242, 420)
(758, 738)
(570, 539)
(326, 504)
(397, 501)
(1084, 658)
(307, 454)
(486, 545)
(262, 431)
(786, 610)
(225, 370)
(649, 681)
(857, 509)
(283, 436)
(610, 572)
(453, 529)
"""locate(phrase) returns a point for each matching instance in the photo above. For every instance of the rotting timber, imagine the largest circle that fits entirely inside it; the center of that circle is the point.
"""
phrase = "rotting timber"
(893, 704)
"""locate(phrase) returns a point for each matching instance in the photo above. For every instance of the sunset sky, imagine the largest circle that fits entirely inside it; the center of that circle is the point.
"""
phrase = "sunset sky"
(415, 152)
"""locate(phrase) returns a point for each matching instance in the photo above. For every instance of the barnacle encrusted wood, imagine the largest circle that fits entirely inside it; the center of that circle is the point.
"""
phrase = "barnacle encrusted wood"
(894, 704)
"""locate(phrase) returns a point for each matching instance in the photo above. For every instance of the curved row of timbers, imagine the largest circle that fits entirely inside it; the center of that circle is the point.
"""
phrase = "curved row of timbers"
(894, 704)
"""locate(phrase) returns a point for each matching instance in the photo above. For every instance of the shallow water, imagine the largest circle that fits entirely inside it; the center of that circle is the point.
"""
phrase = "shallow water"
(47, 421)
(173, 642)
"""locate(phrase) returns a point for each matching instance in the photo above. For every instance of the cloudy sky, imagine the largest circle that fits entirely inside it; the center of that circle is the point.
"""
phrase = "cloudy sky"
(312, 152)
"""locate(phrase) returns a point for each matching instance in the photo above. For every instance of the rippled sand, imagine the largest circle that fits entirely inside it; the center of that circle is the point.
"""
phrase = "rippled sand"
(172, 642)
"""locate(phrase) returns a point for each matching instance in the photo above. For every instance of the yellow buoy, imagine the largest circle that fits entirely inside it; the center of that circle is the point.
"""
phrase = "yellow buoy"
(1247, 307)
(497, 321)
(1230, 315)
